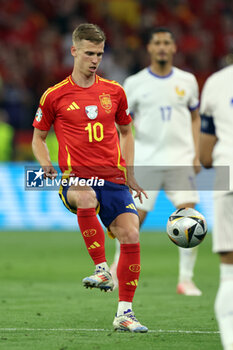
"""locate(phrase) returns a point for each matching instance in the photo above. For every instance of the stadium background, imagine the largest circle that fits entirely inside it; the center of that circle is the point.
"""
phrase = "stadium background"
(35, 37)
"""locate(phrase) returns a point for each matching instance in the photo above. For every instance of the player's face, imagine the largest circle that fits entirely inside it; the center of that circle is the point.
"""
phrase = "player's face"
(161, 48)
(88, 56)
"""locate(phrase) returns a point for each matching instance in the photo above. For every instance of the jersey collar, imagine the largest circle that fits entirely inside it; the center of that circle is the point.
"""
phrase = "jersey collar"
(160, 76)
(74, 84)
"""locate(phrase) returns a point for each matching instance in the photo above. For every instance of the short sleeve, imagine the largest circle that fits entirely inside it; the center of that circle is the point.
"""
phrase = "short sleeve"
(122, 115)
(206, 109)
(129, 90)
(44, 117)
(194, 99)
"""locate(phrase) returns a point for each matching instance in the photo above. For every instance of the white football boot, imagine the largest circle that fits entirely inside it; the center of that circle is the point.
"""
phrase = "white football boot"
(101, 279)
(188, 288)
(129, 323)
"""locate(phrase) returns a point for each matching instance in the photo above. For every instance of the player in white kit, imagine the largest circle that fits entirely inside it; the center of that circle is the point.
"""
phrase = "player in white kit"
(164, 103)
(217, 150)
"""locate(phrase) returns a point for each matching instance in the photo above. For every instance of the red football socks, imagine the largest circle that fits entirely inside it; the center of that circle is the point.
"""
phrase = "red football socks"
(128, 271)
(92, 233)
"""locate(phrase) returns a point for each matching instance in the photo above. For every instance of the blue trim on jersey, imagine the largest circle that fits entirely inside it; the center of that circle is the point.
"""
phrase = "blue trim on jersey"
(207, 124)
(160, 76)
(114, 199)
(195, 107)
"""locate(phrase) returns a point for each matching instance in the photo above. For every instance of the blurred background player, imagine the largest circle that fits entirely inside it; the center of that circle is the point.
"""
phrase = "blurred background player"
(217, 150)
(83, 109)
(164, 102)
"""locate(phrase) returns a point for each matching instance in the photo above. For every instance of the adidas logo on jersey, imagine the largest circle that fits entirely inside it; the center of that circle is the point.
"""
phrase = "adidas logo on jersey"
(132, 283)
(94, 245)
(73, 106)
(131, 206)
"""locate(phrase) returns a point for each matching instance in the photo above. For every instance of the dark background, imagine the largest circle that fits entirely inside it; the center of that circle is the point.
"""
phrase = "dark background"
(35, 40)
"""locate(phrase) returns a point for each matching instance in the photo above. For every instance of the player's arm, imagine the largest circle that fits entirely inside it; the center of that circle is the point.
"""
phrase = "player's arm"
(127, 149)
(208, 140)
(208, 137)
(196, 125)
(41, 152)
(207, 143)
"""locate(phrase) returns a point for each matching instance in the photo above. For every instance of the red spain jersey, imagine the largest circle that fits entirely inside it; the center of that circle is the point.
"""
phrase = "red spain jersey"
(84, 122)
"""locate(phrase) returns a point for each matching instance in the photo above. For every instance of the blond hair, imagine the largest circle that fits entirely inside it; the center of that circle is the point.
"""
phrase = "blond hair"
(88, 31)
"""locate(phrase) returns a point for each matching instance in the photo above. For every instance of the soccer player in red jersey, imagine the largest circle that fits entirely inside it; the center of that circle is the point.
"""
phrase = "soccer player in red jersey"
(84, 110)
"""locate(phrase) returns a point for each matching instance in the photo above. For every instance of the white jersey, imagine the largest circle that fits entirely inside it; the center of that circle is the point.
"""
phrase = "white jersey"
(217, 103)
(161, 107)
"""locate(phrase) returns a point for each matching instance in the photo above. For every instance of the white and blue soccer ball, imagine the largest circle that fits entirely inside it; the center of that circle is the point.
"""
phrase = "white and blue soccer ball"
(186, 227)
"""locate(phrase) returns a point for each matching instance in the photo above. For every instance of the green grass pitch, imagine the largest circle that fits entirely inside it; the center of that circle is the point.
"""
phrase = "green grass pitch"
(43, 305)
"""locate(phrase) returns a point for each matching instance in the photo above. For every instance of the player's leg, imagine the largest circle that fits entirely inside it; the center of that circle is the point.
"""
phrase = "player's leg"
(113, 268)
(223, 244)
(224, 300)
(187, 260)
(85, 201)
(146, 176)
(126, 229)
(149, 178)
(180, 189)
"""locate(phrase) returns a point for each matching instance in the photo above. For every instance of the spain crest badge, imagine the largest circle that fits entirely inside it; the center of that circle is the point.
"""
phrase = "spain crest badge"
(105, 101)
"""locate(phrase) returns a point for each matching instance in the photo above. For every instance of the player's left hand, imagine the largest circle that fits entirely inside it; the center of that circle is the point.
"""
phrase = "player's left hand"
(50, 172)
(133, 186)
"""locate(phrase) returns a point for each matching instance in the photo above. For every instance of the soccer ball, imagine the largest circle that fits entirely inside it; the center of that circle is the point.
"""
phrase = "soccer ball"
(186, 227)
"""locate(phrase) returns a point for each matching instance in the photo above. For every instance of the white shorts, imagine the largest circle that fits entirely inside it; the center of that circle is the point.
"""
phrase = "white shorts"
(178, 183)
(223, 223)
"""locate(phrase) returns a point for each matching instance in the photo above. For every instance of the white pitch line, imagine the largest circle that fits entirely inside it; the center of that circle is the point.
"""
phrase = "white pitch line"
(99, 330)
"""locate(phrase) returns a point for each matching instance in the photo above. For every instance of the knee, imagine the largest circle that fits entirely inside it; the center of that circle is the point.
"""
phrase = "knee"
(226, 258)
(86, 199)
(129, 235)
